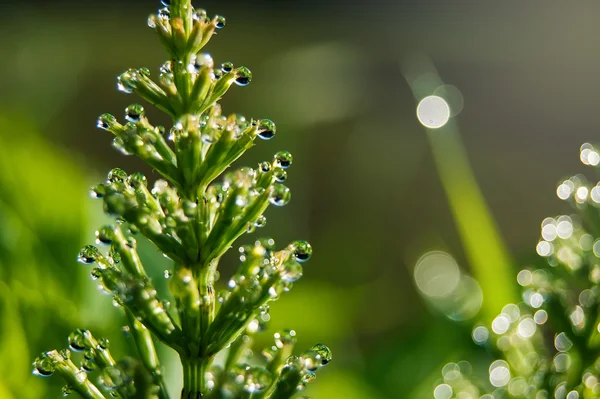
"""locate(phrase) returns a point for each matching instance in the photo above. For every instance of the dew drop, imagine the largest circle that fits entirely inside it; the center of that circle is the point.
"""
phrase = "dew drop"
(219, 22)
(137, 180)
(97, 191)
(103, 344)
(78, 340)
(106, 121)
(104, 235)
(261, 221)
(227, 67)
(324, 353)
(266, 129)
(283, 159)
(280, 175)
(43, 366)
(134, 113)
(281, 195)
(66, 390)
(117, 175)
(291, 272)
(127, 81)
(88, 255)
(243, 76)
(302, 250)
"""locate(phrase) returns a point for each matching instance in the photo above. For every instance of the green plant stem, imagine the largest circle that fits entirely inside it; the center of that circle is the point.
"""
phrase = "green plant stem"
(207, 300)
(72, 375)
(194, 371)
(147, 351)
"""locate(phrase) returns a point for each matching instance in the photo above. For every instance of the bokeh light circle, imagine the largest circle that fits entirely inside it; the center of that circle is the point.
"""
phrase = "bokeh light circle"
(433, 112)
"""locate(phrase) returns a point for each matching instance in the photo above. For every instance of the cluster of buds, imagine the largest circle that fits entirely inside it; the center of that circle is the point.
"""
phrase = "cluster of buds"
(192, 215)
(547, 345)
(116, 378)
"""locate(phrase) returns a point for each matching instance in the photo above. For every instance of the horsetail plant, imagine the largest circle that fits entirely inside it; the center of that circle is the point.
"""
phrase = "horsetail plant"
(548, 345)
(193, 216)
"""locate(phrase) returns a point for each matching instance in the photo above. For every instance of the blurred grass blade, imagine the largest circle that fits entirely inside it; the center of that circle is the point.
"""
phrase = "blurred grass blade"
(485, 250)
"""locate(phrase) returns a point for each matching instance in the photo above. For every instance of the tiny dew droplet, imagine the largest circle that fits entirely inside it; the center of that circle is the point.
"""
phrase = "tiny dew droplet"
(266, 129)
(98, 191)
(261, 221)
(104, 235)
(219, 22)
(164, 14)
(103, 344)
(88, 255)
(134, 113)
(302, 250)
(78, 340)
(67, 390)
(168, 274)
(137, 180)
(43, 366)
(281, 195)
(165, 3)
(324, 353)
(283, 159)
(227, 67)
(127, 81)
(117, 175)
(264, 167)
(106, 121)
(243, 76)
(280, 175)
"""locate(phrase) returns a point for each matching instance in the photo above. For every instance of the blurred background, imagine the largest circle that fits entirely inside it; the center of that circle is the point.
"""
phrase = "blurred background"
(374, 190)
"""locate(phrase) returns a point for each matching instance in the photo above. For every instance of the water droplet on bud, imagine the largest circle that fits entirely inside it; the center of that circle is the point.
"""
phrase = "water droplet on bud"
(219, 22)
(243, 76)
(280, 175)
(88, 255)
(137, 180)
(324, 353)
(227, 67)
(134, 113)
(266, 129)
(261, 221)
(106, 121)
(104, 235)
(164, 14)
(66, 390)
(103, 344)
(43, 366)
(283, 159)
(281, 195)
(302, 250)
(127, 81)
(117, 175)
(78, 340)
(285, 337)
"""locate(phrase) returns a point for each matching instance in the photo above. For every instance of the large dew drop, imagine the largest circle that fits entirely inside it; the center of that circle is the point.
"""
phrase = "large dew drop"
(283, 159)
(243, 76)
(281, 195)
(266, 129)
(43, 366)
(302, 250)
(88, 255)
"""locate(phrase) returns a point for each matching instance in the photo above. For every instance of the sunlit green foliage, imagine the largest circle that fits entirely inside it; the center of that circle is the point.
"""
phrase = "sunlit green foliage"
(193, 217)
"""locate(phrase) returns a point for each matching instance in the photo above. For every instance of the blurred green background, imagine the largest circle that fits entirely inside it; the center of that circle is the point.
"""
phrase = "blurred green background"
(373, 190)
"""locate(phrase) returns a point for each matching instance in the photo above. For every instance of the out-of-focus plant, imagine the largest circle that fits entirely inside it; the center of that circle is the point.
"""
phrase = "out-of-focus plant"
(547, 345)
(193, 220)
